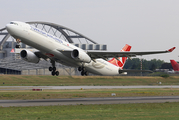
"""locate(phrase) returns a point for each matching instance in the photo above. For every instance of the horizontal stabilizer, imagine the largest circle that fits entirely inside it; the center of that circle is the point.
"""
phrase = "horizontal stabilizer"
(131, 70)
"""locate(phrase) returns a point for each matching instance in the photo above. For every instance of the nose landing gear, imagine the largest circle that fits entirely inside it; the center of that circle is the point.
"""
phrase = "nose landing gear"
(53, 69)
(18, 43)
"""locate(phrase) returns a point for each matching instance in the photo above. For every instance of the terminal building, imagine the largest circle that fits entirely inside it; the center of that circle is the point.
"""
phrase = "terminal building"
(11, 63)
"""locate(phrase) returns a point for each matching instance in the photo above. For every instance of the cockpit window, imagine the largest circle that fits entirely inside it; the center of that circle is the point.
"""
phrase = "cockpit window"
(13, 23)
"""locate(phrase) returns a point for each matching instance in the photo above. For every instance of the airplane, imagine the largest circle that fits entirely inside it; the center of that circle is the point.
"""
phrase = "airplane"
(52, 48)
(175, 66)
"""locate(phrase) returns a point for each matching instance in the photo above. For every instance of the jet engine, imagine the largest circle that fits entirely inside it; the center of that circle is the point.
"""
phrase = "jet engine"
(29, 56)
(80, 56)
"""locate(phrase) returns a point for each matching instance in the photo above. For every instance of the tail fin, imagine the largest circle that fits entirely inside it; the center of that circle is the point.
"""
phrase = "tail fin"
(121, 60)
(175, 65)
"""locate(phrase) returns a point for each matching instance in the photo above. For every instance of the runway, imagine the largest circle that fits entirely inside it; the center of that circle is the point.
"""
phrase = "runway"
(86, 101)
(79, 87)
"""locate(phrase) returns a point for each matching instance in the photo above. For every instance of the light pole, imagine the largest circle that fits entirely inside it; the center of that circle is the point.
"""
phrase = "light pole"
(141, 66)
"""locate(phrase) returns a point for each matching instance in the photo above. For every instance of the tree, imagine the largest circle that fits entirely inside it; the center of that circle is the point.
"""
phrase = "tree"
(153, 67)
(132, 64)
(135, 63)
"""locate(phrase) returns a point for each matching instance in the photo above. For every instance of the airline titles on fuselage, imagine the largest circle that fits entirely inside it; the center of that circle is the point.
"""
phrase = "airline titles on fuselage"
(45, 34)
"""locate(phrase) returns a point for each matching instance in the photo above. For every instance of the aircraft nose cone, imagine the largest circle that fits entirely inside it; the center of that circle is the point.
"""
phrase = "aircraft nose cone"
(9, 28)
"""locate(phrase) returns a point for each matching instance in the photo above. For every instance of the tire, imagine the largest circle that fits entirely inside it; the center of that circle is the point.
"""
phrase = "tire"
(53, 73)
(56, 73)
(86, 73)
(82, 73)
(79, 69)
(50, 68)
(54, 68)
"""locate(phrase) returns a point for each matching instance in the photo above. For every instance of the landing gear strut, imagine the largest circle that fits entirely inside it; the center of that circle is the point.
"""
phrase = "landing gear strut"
(83, 71)
(18, 43)
(53, 69)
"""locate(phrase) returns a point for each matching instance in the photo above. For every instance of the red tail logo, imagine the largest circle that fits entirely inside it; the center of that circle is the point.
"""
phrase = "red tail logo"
(120, 63)
(175, 65)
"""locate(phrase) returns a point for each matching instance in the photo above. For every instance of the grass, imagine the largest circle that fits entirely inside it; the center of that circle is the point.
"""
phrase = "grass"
(54, 94)
(27, 80)
(147, 111)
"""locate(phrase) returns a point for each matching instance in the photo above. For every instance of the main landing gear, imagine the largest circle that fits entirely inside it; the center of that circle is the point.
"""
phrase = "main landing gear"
(83, 71)
(53, 69)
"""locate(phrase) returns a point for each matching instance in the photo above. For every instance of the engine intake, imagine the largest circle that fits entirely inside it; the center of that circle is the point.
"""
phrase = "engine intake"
(29, 56)
(80, 56)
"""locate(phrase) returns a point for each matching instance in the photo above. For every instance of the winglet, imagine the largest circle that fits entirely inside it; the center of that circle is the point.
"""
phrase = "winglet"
(170, 50)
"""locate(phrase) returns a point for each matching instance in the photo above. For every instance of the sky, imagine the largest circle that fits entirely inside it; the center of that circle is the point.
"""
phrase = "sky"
(146, 25)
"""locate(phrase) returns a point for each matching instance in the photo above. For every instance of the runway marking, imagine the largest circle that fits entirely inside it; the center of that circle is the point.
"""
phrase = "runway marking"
(76, 101)
(79, 87)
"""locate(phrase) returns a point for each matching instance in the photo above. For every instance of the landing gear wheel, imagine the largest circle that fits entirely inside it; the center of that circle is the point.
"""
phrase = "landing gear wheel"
(56, 73)
(50, 69)
(53, 73)
(54, 68)
(82, 73)
(86, 73)
(79, 68)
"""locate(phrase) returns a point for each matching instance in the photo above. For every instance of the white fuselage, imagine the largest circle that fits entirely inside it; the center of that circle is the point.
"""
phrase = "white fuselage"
(49, 44)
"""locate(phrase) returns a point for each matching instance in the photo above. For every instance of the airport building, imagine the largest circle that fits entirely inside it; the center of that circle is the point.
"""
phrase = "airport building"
(11, 63)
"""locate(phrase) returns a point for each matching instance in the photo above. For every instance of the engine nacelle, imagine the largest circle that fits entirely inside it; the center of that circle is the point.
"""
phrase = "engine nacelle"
(29, 56)
(80, 56)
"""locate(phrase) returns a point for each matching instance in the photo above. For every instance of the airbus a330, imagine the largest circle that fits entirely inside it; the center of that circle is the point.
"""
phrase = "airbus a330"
(58, 50)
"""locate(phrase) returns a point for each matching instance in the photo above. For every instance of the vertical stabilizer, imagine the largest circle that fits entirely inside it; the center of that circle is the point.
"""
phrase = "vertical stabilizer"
(175, 65)
(121, 60)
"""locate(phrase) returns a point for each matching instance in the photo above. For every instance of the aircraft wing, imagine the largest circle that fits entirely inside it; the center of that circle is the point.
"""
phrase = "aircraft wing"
(97, 54)
(40, 55)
